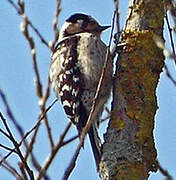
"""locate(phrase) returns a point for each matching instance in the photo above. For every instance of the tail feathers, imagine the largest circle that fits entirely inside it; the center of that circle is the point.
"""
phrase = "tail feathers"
(93, 134)
(95, 144)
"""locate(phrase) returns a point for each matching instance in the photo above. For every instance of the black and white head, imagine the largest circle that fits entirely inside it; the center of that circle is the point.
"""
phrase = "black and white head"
(79, 23)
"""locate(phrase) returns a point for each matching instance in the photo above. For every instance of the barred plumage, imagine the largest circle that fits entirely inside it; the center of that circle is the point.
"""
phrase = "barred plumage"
(75, 71)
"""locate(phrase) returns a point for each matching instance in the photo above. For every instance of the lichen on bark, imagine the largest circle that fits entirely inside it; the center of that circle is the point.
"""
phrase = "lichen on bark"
(129, 150)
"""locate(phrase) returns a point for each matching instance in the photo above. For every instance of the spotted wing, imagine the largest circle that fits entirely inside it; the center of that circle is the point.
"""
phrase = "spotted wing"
(69, 83)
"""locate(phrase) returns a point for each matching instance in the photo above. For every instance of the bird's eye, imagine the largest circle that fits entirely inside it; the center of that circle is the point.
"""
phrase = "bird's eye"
(84, 24)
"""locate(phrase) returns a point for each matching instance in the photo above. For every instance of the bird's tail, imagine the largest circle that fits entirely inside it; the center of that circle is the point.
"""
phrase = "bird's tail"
(93, 134)
(95, 144)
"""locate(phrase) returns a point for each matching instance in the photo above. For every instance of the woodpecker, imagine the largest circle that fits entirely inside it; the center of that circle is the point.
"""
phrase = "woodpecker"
(76, 67)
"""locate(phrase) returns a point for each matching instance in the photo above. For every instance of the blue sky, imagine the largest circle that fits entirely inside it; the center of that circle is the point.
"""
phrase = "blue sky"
(17, 81)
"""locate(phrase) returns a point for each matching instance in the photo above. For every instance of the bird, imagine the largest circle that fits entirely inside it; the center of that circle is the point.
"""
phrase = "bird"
(76, 66)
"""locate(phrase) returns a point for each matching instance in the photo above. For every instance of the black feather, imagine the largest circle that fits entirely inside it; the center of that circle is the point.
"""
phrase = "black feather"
(78, 16)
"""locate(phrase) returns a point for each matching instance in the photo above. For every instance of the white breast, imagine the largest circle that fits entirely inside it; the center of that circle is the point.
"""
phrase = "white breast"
(91, 56)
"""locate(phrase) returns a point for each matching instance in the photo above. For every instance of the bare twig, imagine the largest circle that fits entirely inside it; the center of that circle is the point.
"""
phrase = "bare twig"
(7, 148)
(69, 140)
(20, 12)
(167, 54)
(39, 121)
(10, 114)
(12, 118)
(55, 23)
(171, 5)
(107, 117)
(117, 35)
(89, 121)
(23, 172)
(164, 172)
(17, 126)
(42, 98)
(169, 75)
(24, 28)
(35, 163)
(4, 133)
(11, 169)
(54, 152)
(40, 118)
(171, 37)
(43, 104)
(29, 171)
(116, 3)
(5, 157)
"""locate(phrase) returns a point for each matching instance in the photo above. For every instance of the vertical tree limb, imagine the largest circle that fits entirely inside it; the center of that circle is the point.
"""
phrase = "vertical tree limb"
(129, 150)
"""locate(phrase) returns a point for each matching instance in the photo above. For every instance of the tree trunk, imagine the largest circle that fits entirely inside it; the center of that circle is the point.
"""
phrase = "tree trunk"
(129, 151)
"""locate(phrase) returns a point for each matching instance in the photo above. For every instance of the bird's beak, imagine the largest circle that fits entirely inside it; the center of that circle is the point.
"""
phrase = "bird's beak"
(102, 28)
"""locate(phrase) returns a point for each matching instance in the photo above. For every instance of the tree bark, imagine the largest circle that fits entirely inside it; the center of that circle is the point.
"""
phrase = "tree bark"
(129, 152)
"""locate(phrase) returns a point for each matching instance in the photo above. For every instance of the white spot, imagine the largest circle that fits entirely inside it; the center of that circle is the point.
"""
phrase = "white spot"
(63, 49)
(64, 76)
(61, 93)
(76, 119)
(75, 79)
(66, 61)
(33, 52)
(74, 92)
(66, 87)
(66, 103)
(61, 77)
(74, 106)
(55, 55)
(77, 104)
(68, 71)
(22, 27)
(50, 43)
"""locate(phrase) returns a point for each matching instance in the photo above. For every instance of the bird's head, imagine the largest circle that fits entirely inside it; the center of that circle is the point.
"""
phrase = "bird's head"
(79, 23)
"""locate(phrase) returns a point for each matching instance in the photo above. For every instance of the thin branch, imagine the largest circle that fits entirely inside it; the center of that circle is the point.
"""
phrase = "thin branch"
(43, 109)
(7, 148)
(5, 157)
(10, 115)
(20, 12)
(3, 132)
(42, 98)
(159, 42)
(54, 152)
(171, 37)
(116, 3)
(171, 5)
(23, 172)
(39, 121)
(169, 75)
(35, 128)
(17, 126)
(30, 173)
(117, 35)
(11, 169)
(90, 119)
(105, 119)
(26, 135)
(69, 140)
(38, 33)
(164, 172)
(55, 23)
(25, 31)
